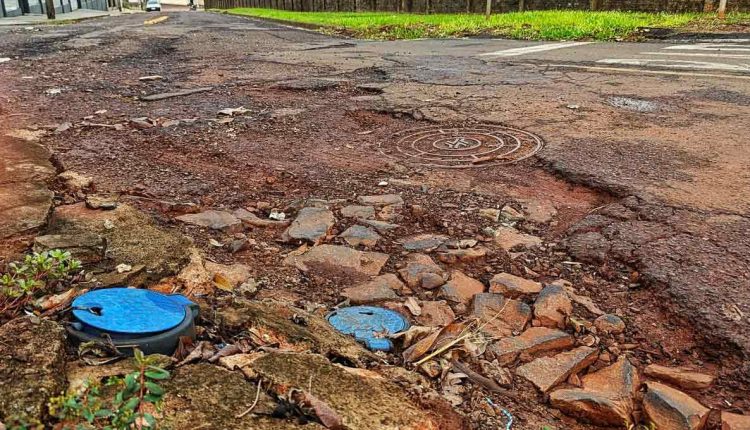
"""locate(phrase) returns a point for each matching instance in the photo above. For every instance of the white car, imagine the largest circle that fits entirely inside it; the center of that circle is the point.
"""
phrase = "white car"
(153, 5)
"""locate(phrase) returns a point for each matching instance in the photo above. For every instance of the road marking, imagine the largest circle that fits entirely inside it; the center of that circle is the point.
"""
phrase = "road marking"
(533, 49)
(678, 64)
(648, 72)
(709, 47)
(697, 54)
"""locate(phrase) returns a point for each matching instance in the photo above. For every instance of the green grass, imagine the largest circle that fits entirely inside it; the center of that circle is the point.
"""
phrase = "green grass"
(546, 25)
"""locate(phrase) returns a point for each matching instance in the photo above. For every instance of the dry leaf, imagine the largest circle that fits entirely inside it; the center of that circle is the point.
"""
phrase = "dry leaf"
(414, 352)
(329, 417)
(413, 333)
(222, 282)
(413, 306)
(225, 352)
(203, 351)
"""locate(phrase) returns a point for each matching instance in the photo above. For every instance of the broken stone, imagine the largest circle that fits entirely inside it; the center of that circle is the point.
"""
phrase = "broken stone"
(357, 235)
(32, 367)
(509, 238)
(63, 127)
(227, 277)
(435, 313)
(454, 256)
(359, 212)
(670, 409)
(74, 181)
(251, 219)
(607, 396)
(101, 201)
(532, 341)
(88, 248)
(215, 220)
(590, 247)
(461, 288)
(539, 212)
(381, 200)
(552, 306)
(163, 96)
(513, 286)
(132, 237)
(379, 289)
(682, 378)
(421, 271)
(389, 213)
(211, 397)
(423, 242)
(547, 372)
(151, 78)
(381, 226)
(308, 84)
(510, 214)
(731, 421)
(490, 214)
(339, 260)
(312, 224)
(500, 316)
(292, 329)
(142, 123)
(609, 324)
(234, 111)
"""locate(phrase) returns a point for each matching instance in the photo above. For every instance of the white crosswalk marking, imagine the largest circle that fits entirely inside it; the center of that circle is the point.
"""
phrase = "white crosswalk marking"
(709, 47)
(532, 49)
(697, 54)
(678, 64)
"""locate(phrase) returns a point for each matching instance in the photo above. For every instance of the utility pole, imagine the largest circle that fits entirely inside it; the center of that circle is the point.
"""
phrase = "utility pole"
(488, 9)
(722, 9)
(50, 6)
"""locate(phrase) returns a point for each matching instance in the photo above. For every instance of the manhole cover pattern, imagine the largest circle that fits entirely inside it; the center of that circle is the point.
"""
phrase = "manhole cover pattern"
(462, 147)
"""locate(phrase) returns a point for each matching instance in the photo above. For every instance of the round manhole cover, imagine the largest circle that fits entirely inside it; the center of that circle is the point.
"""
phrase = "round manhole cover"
(480, 145)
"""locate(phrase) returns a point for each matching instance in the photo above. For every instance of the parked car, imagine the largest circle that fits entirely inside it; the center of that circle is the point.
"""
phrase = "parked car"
(153, 5)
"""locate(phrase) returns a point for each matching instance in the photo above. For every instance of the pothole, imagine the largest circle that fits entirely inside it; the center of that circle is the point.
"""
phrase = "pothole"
(483, 145)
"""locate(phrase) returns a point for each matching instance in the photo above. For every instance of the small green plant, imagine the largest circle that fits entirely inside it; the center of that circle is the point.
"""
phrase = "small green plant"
(38, 273)
(136, 397)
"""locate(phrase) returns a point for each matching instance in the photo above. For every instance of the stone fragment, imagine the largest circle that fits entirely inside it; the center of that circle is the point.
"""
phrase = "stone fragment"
(670, 409)
(435, 313)
(499, 316)
(88, 248)
(513, 286)
(312, 224)
(142, 123)
(490, 214)
(547, 372)
(228, 277)
(101, 201)
(32, 367)
(532, 341)
(509, 238)
(455, 256)
(253, 220)
(215, 220)
(421, 271)
(360, 399)
(292, 329)
(339, 260)
(379, 289)
(211, 397)
(75, 181)
(609, 324)
(381, 226)
(423, 242)
(682, 378)
(538, 211)
(359, 212)
(461, 288)
(381, 200)
(731, 421)
(389, 213)
(590, 247)
(552, 306)
(357, 235)
(510, 214)
(607, 396)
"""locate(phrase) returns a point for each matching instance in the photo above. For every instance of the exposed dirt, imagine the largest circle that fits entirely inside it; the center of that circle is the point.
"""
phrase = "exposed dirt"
(294, 146)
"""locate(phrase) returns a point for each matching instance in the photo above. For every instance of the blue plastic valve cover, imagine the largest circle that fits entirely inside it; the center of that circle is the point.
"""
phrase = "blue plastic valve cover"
(130, 310)
(369, 324)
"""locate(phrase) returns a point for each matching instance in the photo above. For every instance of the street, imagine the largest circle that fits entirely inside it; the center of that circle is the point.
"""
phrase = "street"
(630, 161)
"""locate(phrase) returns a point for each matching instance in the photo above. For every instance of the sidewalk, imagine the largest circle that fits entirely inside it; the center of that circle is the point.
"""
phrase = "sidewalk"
(76, 15)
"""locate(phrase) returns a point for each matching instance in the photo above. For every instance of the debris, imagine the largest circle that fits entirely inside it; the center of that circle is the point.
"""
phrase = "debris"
(508, 416)
(532, 341)
(509, 215)
(477, 378)
(312, 224)
(383, 183)
(682, 378)
(228, 277)
(461, 288)
(421, 271)
(122, 268)
(251, 219)
(102, 201)
(74, 181)
(513, 286)
(552, 306)
(609, 324)
(63, 127)
(213, 219)
(4, 60)
(277, 216)
(151, 78)
(435, 314)
(369, 324)
(490, 214)
(548, 372)
(163, 96)
(573, 107)
(234, 111)
(53, 91)
(379, 289)
(500, 316)
(670, 409)
(156, 20)
(455, 256)
(142, 122)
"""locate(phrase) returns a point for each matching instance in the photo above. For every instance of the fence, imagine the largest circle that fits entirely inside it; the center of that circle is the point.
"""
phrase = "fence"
(477, 6)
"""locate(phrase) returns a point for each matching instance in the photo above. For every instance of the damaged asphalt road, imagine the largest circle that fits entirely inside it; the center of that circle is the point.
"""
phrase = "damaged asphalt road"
(638, 187)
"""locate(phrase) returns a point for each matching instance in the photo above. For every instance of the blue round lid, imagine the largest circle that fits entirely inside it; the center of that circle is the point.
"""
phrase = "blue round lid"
(369, 324)
(129, 310)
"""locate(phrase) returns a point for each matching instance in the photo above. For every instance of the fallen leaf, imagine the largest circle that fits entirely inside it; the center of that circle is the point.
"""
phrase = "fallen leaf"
(234, 111)
(419, 349)
(413, 305)
(222, 282)
(325, 413)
